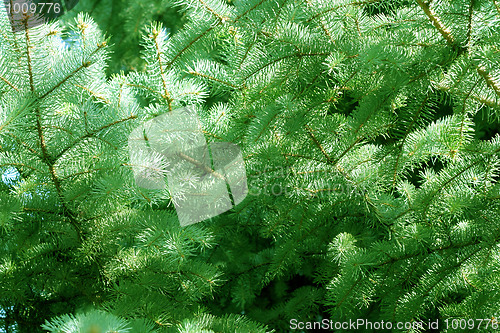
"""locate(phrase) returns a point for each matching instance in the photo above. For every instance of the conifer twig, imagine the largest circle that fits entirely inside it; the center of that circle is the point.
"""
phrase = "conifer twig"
(10, 84)
(93, 93)
(354, 3)
(140, 86)
(496, 6)
(174, 58)
(24, 144)
(211, 78)
(436, 22)
(46, 159)
(297, 54)
(316, 142)
(351, 146)
(248, 10)
(409, 128)
(469, 24)
(84, 64)
(481, 99)
(303, 156)
(202, 166)
(91, 134)
(213, 12)
(322, 24)
(166, 94)
(490, 81)
(21, 165)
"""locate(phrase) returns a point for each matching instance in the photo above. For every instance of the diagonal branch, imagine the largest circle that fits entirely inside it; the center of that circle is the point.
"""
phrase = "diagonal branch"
(10, 84)
(436, 22)
(91, 134)
(490, 81)
(104, 99)
(172, 61)
(202, 166)
(83, 65)
(496, 6)
(213, 12)
(322, 24)
(316, 142)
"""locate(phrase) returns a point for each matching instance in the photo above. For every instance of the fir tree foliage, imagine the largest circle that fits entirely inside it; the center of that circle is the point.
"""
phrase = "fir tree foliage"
(373, 185)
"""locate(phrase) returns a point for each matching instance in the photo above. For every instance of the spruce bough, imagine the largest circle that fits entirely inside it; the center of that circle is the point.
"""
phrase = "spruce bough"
(369, 135)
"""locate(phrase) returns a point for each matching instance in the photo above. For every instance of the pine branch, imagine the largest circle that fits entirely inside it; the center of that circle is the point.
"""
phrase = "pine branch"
(166, 94)
(316, 142)
(10, 84)
(469, 23)
(245, 13)
(322, 25)
(211, 78)
(490, 81)
(45, 155)
(24, 144)
(213, 12)
(297, 54)
(21, 165)
(202, 166)
(432, 196)
(143, 87)
(496, 6)
(104, 99)
(84, 64)
(486, 101)
(326, 11)
(409, 128)
(464, 105)
(92, 134)
(334, 108)
(437, 23)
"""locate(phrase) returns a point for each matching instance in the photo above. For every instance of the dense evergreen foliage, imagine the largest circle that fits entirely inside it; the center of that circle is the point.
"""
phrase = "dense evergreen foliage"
(369, 135)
